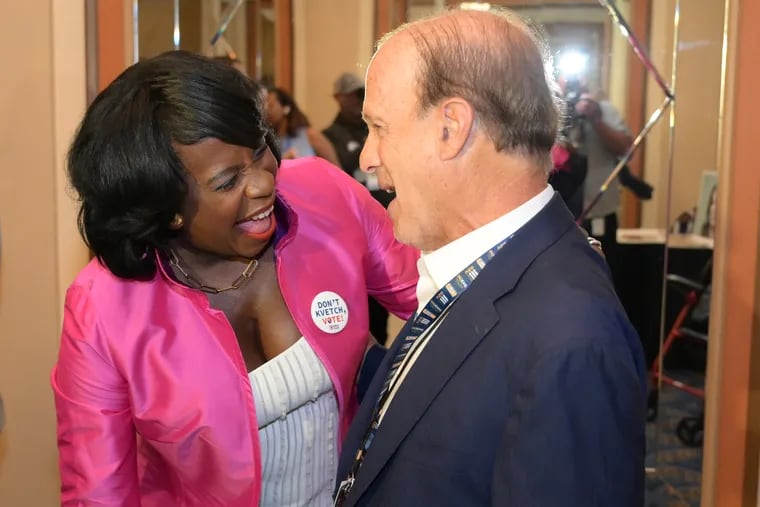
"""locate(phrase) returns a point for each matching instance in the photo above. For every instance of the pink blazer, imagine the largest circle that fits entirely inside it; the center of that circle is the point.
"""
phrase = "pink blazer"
(153, 399)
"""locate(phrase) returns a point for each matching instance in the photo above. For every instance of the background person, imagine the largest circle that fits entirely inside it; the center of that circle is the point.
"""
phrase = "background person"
(347, 134)
(598, 132)
(295, 134)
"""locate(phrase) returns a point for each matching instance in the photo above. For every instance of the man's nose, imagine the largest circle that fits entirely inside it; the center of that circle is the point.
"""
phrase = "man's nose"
(368, 158)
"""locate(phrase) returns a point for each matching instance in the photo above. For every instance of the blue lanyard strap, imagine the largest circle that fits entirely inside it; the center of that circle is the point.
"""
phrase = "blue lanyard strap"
(436, 307)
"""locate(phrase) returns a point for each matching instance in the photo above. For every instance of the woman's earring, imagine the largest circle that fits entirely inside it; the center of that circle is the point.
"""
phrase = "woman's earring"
(177, 223)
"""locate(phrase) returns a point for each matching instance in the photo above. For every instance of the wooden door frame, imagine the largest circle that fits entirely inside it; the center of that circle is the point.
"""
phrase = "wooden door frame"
(635, 108)
(389, 14)
(283, 44)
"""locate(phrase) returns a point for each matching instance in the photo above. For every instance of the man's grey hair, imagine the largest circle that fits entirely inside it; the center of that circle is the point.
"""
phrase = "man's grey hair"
(498, 63)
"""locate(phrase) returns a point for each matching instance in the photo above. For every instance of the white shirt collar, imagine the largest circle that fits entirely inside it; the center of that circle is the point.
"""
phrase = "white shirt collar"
(436, 268)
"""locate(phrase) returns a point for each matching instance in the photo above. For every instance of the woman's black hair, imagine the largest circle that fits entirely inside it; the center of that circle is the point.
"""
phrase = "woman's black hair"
(122, 163)
(296, 119)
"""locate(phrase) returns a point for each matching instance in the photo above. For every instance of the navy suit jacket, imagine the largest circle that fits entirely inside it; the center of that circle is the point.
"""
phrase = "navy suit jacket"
(531, 393)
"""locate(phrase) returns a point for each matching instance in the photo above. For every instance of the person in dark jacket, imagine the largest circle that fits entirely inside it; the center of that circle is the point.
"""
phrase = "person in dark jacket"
(347, 134)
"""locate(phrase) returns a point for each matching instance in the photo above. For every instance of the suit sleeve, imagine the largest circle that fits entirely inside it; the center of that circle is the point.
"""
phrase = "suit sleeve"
(576, 437)
(96, 437)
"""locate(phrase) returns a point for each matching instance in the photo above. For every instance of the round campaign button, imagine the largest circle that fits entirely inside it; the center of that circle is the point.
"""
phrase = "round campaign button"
(329, 312)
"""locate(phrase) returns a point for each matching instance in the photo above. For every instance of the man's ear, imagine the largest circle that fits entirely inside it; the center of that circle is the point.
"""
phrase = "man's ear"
(457, 120)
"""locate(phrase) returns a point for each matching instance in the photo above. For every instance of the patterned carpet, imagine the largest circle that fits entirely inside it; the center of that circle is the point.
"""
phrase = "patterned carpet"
(676, 478)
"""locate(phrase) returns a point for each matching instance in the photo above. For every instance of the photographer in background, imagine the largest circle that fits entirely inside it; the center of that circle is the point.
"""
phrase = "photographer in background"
(596, 131)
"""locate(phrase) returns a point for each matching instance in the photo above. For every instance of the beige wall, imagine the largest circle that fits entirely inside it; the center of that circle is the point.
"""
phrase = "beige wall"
(698, 99)
(656, 159)
(156, 26)
(621, 53)
(330, 37)
(697, 89)
(40, 105)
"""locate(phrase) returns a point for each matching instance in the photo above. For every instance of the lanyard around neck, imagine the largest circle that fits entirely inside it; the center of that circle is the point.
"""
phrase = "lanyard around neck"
(423, 321)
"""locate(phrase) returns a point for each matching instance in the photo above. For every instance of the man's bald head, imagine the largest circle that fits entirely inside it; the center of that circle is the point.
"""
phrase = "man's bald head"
(496, 62)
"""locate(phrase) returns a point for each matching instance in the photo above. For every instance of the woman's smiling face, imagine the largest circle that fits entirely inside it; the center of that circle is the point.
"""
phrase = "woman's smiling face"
(228, 210)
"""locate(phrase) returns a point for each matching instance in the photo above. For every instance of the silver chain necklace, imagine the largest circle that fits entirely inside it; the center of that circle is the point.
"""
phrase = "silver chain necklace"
(250, 268)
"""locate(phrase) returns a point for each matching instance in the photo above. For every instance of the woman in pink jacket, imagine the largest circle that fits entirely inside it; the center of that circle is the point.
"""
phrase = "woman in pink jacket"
(209, 352)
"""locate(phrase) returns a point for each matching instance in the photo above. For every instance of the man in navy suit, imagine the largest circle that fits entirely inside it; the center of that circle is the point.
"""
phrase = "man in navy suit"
(528, 390)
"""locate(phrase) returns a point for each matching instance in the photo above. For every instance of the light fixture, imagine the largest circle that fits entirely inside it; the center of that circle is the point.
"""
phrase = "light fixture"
(475, 6)
(572, 63)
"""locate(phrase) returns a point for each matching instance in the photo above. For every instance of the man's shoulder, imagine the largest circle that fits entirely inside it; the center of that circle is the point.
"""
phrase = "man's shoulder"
(582, 299)
(566, 286)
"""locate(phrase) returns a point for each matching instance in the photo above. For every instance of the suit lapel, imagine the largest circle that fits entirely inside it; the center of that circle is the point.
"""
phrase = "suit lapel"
(470, 318)
(429, 374)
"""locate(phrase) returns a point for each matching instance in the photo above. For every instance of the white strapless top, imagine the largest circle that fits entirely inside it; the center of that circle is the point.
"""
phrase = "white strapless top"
(297, 415)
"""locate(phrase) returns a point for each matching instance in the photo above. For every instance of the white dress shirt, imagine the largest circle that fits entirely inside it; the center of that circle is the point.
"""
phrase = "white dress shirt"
(438, 267)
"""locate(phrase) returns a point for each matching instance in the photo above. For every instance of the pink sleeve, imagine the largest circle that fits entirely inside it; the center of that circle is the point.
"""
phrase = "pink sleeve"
(391, 266)
(96, 437)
